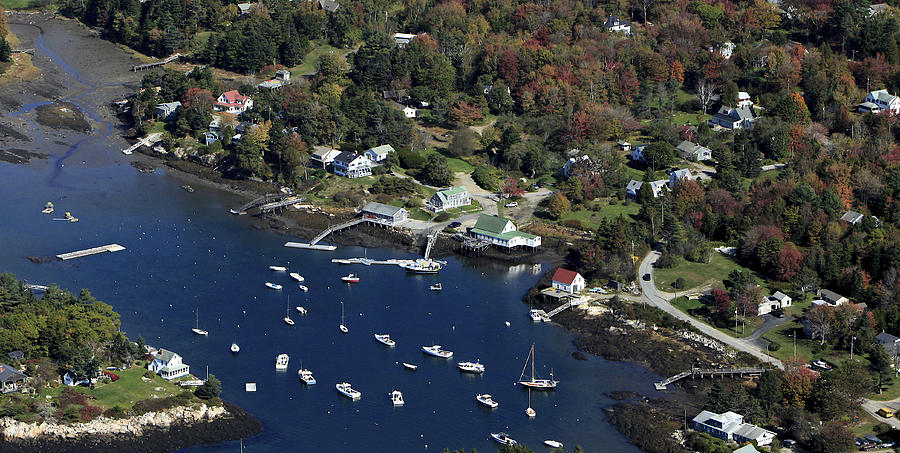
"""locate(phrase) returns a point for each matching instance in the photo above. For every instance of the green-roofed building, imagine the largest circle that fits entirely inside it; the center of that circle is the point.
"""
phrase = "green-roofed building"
(502, 233)
(453, 197)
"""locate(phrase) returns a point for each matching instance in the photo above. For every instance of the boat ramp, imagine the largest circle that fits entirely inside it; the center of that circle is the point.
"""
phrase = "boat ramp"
(90, 251)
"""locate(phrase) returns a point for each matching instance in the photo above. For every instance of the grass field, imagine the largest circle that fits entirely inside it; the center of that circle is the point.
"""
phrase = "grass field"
(698, 275)
(695, 307)
(591, 219)
(129, 389)
(15, 4)
(309, 60)
(454, 163)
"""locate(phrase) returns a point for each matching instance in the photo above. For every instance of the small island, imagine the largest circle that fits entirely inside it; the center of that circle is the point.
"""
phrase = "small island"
(72, 381)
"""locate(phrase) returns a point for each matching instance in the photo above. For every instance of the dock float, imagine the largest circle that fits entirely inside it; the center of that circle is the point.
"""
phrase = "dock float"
(303, 245)
(91, 251)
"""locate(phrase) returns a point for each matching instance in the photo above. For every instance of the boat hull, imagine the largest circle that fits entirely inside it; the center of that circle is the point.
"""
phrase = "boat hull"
(539, 384)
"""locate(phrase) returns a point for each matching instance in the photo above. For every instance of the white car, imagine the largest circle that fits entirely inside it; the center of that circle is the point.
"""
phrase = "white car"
(511, 204)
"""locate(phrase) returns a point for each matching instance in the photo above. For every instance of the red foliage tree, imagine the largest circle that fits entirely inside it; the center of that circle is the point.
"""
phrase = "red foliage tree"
(789, 261)
(511, 188)
(464, 114)
(722, 300)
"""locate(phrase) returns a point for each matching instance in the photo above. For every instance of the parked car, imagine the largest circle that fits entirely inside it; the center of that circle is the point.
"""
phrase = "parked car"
(646, 277)
(789, 443)
(885, 412)
(511, 204)
(455, 224)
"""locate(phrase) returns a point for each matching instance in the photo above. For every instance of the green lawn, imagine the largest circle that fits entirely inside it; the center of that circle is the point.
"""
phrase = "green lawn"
(420, 214)
(129, 389)
(454, 163)
(695, 308)
(698, 274)
(15, 4)
(309, 61)
(807, 349)
(158, 126)
(591, 219)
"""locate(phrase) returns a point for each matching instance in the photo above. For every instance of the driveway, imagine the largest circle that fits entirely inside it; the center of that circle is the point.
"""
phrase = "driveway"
(872, 407)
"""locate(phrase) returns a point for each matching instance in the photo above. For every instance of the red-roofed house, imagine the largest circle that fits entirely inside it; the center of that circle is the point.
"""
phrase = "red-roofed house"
(569, 281)
(233, 102)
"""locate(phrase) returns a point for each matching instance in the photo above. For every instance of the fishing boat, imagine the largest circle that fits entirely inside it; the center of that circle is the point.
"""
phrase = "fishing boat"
(503, 439)
(531, 413)
(385, 339)
(303, 288)
(69, 217)
(471, 367)
(553, 443)
(397, 398)
(345, 389)
(436, 351)
(410, 366)
(281, 362)
(350, 278)
(235, 348)
(342, 326)
(277, 268)
(436, 287)
(48, 208)
(535, 315)
(188, 188)
(197, 330)
(305, 376)
(423, 266)
(297, 276)
(532, 383)
(301, 310)
(273, 285)
(486, 400)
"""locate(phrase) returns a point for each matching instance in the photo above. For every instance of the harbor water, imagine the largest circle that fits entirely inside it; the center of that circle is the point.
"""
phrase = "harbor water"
(185, 254)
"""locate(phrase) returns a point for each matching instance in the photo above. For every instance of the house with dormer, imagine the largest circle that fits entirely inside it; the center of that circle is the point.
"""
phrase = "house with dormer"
(502, 232)
(453, 197)
(880, 101)
(351, 165)
(379, 153)
(169, 365)
(680, 175)
(11, 380)
(733, 118)
(633, 189)
(233, 102)
(694, 152)
(617, 25)
(731, 426)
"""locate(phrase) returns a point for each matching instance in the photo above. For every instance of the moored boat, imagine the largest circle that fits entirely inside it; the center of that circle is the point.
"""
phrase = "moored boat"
(350, 278)
(397, 398)
(301, 310)
(297, 276)
(385, 339)
(273, 285)
(277, 268)
(188, 188)
(553, 443)
(436, 351)
(486, 400)
(436, 287)
(471, 367)
(281, 362)
(235, 348)
(306, 376)
(342, 326)
(423, 266)
(197, 330)
(532, 382)
(345, 389)
(48, 208)
(535, 315)
(503, 438)
(303, 287)
(410, 366)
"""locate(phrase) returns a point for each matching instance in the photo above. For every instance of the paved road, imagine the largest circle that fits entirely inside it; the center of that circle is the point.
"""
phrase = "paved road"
(655, 297)
(873, 406)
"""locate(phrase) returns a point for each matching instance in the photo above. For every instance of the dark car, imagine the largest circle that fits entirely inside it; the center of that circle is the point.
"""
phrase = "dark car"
(454, 225)
(646, 277)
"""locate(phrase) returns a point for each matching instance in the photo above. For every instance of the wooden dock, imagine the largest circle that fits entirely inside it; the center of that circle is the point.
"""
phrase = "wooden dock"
(303, 245)
(704, 372)
(91, 251)
(168, 59)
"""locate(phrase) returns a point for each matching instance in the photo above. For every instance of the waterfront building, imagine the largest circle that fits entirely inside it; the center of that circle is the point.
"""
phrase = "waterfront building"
(453, 197)
(352, 165)
(384, 214)
(169, 365)
(233, 102)
(379, 153)
(731, 426)
(323, 156)
(502, 233)
(568, 281)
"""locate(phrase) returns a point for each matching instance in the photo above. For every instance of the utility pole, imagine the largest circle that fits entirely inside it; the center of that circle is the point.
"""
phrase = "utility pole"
(795, 344)
(852, 339)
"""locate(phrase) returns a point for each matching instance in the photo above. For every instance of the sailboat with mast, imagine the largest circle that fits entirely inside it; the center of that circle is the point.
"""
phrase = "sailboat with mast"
(287, 313)
(342, 326)
(531, 413)
(197, 330)
(532, 382)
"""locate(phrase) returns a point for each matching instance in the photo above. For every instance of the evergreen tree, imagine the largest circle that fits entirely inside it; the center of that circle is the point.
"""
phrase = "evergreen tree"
(5, 51)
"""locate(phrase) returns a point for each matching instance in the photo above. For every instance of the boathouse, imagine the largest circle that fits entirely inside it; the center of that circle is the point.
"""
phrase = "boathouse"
(453, 197)
(568, 281)
(502, 233)
(384, 214)
(169, 365)
(10, 379)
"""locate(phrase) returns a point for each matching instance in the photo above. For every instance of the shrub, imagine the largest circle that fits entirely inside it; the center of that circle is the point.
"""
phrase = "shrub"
(484, 177)
(573, 223)
(678, 283)
(414, 202)
(442, 217)
(666, 261)
(89, 413)
(773, 346)
(409, 159)
(70, 396)
(114, 412)
(149, 374)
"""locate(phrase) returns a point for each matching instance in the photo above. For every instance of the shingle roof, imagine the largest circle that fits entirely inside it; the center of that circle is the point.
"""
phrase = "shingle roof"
(346, 157)
(851, 216)
(445, 194)
(780, 296)
(381, 209)
(165, 355)
(830, 295)
(564, 276)
(491, 224)
(8, 373)
(749, 431)
(886, 339)
(383, 149)
(16, 355)
(634, 186)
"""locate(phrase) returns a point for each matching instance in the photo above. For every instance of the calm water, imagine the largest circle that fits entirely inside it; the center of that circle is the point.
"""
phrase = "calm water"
(185, 252)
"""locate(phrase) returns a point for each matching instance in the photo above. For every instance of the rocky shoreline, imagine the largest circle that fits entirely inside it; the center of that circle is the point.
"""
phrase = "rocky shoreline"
(153, 432)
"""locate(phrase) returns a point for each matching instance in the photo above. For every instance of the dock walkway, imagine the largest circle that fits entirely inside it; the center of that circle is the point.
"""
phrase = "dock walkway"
(262, 200)
(168, 59)
(280, 204)
(147, 141)
(334, 228)
(704, 372)
(90, 251)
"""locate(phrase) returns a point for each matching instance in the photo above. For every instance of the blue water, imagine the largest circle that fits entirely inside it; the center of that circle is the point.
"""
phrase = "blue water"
(186, 253)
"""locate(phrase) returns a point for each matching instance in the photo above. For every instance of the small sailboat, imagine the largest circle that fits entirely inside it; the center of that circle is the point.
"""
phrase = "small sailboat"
(471, 367)
(410, 366)
(531, 413)
(48, 208)
(503, 439)
(435, 350)
(301, 310)
(287, 313)
(553, 443)
(486, 400)
(305, 375)
(385, 339)
(532, 383)
(342, 326)
(273, 285)
(281, 362)
(436, 287)
(297, 276)
(277, 268)
(350, 278)
(347, 390)
(303, 288)
(235, 348)
(197, 330)
(397, 398)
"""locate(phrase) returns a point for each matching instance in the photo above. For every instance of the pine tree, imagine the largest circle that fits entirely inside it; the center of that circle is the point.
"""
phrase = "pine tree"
(5, 51)
(890, 50)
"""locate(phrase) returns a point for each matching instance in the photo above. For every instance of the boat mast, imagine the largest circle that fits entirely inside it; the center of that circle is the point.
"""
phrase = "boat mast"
(532, 366)
(525, 367)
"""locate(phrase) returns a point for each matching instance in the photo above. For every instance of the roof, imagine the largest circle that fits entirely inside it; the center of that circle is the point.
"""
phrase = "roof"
(347, 157)
(166, 355)
(830, 295)
(491, 224)
(728, 420)
(683, 173)
(381, 150)
(322, 152)
(749, 448)
(780, 296)
(16, 355)
(234, 98)
(169, 105)
(329, 5)
(883, 96)
(851, 217)
(613, 21)
(749, 431)
(886, 339)
(244, 6)
(735, 114)
(564, 276)
(381, 209)
(407, 36)
(446, 193)
(270, 84)
(8, 373)
(634, 186)
(504, 236)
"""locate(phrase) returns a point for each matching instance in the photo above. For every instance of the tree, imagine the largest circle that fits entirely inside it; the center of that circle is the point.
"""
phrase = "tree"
(558, 205)
(659, 155)
(819, 320)
(789, 261)
(465, 142)
(511, 188)
(835, 437)
(706, 90)
(464, 114)
(730, 95)
(436, 172)
(210, 389)
(882, 363)
(5, 51)
(768, 390)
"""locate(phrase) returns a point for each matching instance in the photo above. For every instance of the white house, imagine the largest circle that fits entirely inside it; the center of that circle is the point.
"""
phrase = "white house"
(323, 156)
(352, 165)
(502, 232)
(680, 175)
(832, 298)
(744, 99)
(573, 163)
(568, 281)
(879, 101)
(402, 39)
(731, 426)
(694, 152)
(410, 112)
(10, 378)
(616, 25)
(453, 197)
(233, 102)
(852, 217)
(244, 8)
(169, 365)
(379, 153)
(733, 118)
(726, 50)
(166, 110)
(776, 301)
(634, 188)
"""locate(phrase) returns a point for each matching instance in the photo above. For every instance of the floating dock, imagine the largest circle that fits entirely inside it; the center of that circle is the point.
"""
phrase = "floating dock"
(91, 251)
(303, 245)
(394, 262)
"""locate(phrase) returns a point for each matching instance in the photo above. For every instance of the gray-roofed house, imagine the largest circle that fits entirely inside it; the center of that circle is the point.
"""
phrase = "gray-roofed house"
(379, 153)
(384, 214)
(16, 355)
(633, 189)
(169, 365)
(10, 379)
(270, 85)
(453, 197)
(694, 152)
(733, 118)
(395, 95)
(352, 165)
(890, 342)
(880, 101)
(616, 25)
(832, 297)
(329, 5)
(323, 156)
(244, 8)
(852, 217)
(680, 175)
(731, 426)
(402, 39)
(166, 110)
(776, 301)
(502, 232)
(574, 163)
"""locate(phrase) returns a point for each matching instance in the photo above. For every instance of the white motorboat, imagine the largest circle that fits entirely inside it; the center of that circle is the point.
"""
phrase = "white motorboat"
(486, 400)
(471, 367)
(297, 276)
(423, 266)
(273, 285)
(535, 315)
(436, 287)
(303, 287)
(306, 376)
(235, 348)
(281, 362)
(553, 443)
(197, 330)
(436, 351)
(342, 326)
(301, 310)
(410, 366)
(288, 321)
(345, 389)
(385, 339)
(350, 278)
(503, 438)
(48, 208)
(397, 398)
(532, 383)
(277, 268)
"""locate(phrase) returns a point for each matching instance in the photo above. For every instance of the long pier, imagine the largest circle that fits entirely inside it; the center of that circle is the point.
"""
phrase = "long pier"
(334, 228)
(34, 287)
(148, 141)
(90, 251)
(280, 204)
(265, 199)
(144, 66)
(704, 372)
(28, 51)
